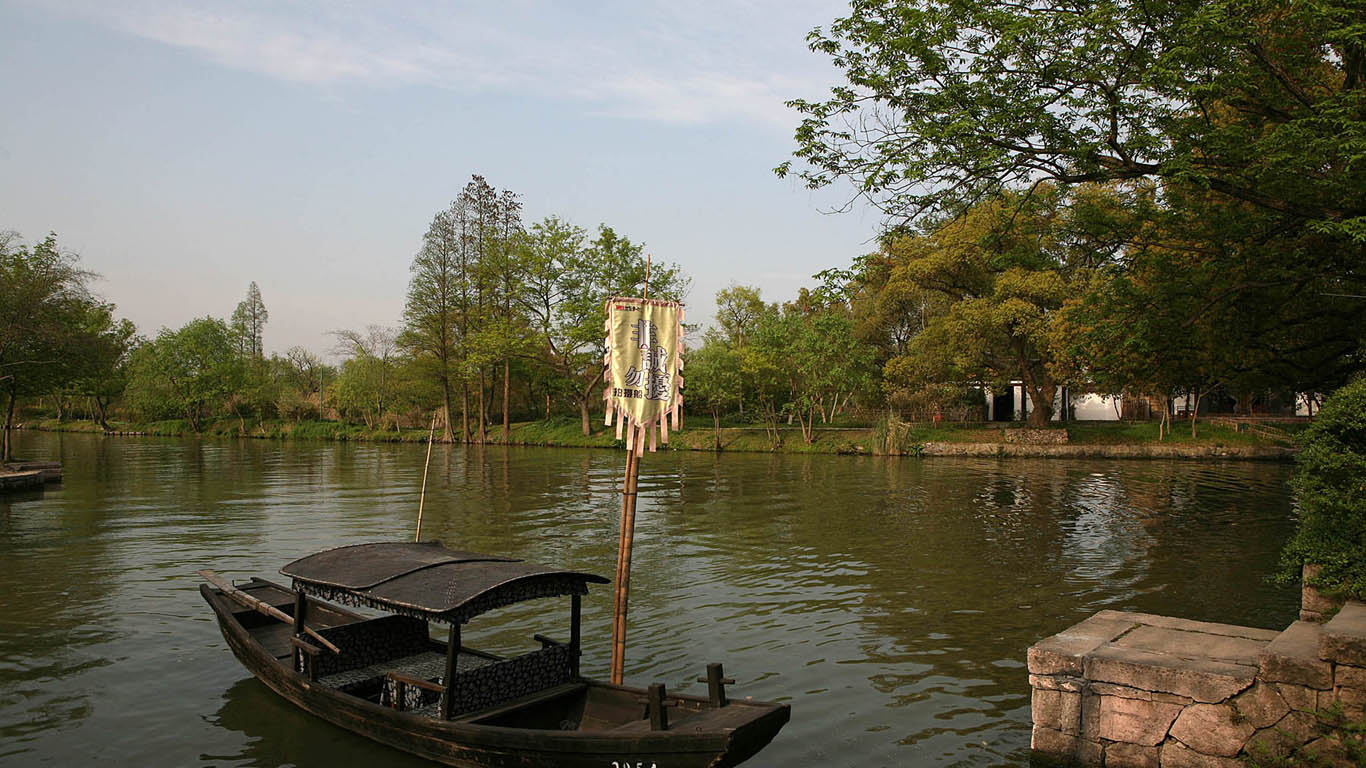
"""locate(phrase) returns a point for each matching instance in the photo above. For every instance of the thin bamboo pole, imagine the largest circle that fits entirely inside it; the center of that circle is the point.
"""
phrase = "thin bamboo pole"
(422, 497)
(623, 581)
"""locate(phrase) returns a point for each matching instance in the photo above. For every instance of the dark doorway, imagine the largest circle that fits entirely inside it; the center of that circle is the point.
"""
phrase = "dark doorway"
(1003, 405)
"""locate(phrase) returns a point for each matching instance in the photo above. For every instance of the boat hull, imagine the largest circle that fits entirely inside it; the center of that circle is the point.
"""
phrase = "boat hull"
(473, 745)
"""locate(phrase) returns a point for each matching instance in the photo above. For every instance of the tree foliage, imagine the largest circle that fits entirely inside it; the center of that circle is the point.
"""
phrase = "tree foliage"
(187, 373)
(946, 104)
(1331, 494)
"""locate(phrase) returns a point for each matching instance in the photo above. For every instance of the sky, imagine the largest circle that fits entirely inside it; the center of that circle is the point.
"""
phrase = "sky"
(187, 148)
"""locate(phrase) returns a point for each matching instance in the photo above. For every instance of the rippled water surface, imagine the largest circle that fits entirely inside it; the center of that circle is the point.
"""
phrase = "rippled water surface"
(890, 601)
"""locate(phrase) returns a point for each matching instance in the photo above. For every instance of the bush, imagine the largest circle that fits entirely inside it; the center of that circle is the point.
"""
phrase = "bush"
(1330, 491)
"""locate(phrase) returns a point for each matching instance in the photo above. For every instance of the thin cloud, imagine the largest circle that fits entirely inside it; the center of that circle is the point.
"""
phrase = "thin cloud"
(709, 62)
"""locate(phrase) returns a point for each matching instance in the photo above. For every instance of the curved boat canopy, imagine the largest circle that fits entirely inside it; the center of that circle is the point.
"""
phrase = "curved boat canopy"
(428, 581)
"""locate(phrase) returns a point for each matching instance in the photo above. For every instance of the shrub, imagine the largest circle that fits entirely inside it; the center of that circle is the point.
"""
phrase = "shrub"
(1330, 491)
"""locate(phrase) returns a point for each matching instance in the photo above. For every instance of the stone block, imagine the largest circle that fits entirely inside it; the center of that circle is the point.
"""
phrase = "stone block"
(1261, 705)
(1133, 721)
(1090, 753)
(1283, 738)
(1132, 756)
(1349, 687)
(1062, 654)
(1053, 746)
(1344, 636)
(1125, 692)
(1327, 751)
(1212, 729)
(1177, 755)
(1312, 601)
(1189, 625)
(1293, 657)
(1204, 680)
(1058, 710)
(1187, 644)
(1057, 683)
(1298, 697)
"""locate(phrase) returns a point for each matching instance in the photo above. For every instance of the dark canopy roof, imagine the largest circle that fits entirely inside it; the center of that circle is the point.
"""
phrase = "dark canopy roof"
(428, 580)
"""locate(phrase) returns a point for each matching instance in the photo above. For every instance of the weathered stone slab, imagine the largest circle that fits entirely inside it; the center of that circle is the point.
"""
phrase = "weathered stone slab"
(1090, 752)
(1058, 710)
(1287, 735)
(1298, 697)
(1293, 657)
(1204, 680)
(1177, 755)
(1262, 705)
(1211, 729)
(1349, 687)
(1132, 756)
(1188, 644)
(1327, 751)
(1125, 692)
(1190, 625)
(1344, 636)
(1057, 683)
(1314, 605)
(1054, 745)
(1133, 721)
(1062, 654)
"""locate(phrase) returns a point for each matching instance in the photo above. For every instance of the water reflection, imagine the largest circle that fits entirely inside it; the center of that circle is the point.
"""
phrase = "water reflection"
(890, 601)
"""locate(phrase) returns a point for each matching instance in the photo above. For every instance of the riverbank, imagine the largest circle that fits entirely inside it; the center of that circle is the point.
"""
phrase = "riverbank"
(1083, 440)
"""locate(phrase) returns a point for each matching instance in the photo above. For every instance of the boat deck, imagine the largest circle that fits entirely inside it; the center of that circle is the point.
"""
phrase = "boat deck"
(274, 635)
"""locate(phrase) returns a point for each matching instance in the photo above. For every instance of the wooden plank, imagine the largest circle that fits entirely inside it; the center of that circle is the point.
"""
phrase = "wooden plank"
(238, 596)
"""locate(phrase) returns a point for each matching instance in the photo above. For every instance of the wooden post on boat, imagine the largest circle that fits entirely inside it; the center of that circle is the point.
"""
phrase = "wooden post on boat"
(575, 635)
(452, 657)
(422, 497)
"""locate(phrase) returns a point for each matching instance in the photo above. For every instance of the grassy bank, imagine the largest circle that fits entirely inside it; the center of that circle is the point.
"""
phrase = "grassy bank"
(566, 432)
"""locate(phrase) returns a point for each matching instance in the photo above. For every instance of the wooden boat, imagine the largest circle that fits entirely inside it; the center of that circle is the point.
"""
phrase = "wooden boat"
(387, 679)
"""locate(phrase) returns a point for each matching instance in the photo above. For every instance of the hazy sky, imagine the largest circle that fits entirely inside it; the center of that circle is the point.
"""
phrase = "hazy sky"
(185, 148)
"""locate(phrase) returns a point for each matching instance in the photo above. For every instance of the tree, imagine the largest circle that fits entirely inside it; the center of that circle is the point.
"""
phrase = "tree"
(714, 381)
(1006, 267)
(50, 323)
(1330, 496)
(568, 284)
(248, 324)
(1261, 101)
(366, 383)
(190, 372)
(738, 308)
(437, 307)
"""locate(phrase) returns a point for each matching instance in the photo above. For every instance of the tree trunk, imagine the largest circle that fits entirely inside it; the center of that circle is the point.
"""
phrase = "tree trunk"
(583, 416)
(446, 410)
(6, 453)
(716, 427)
(1196, 410)
(1043, 408)
(507, 379)
(483, 408)
(464, 412)
(100, 415)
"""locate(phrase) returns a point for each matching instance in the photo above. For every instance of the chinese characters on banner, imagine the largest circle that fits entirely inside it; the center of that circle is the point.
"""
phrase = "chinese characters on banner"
(643, 370)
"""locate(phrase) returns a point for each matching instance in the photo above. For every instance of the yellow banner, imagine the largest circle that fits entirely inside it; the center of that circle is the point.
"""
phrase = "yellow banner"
(644, 367)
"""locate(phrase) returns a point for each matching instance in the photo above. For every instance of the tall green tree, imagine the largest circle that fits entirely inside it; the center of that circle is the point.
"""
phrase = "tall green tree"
(52, 328)
(188, 373)
(249, 323)
(437, 310)
(738, 308)
(714, 380)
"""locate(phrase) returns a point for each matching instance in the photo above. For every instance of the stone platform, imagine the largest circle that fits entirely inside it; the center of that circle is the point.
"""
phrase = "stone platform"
(19, 476)
(1135, 689)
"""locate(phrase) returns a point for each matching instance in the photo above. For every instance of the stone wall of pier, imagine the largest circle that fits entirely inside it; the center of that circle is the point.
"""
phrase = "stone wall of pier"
(1137, 690)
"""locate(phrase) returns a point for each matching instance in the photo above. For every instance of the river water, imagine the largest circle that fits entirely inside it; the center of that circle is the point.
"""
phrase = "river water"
(889, 601)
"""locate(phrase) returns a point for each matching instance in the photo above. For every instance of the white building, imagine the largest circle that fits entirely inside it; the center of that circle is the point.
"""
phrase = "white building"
(1014, 404)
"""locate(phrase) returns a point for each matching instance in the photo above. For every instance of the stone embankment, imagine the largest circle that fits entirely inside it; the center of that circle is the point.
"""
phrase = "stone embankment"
(1140, 451)
(1143, 691)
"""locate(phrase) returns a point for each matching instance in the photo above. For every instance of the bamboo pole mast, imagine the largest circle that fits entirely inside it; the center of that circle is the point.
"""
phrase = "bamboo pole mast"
(626, 538)
(422, 497)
